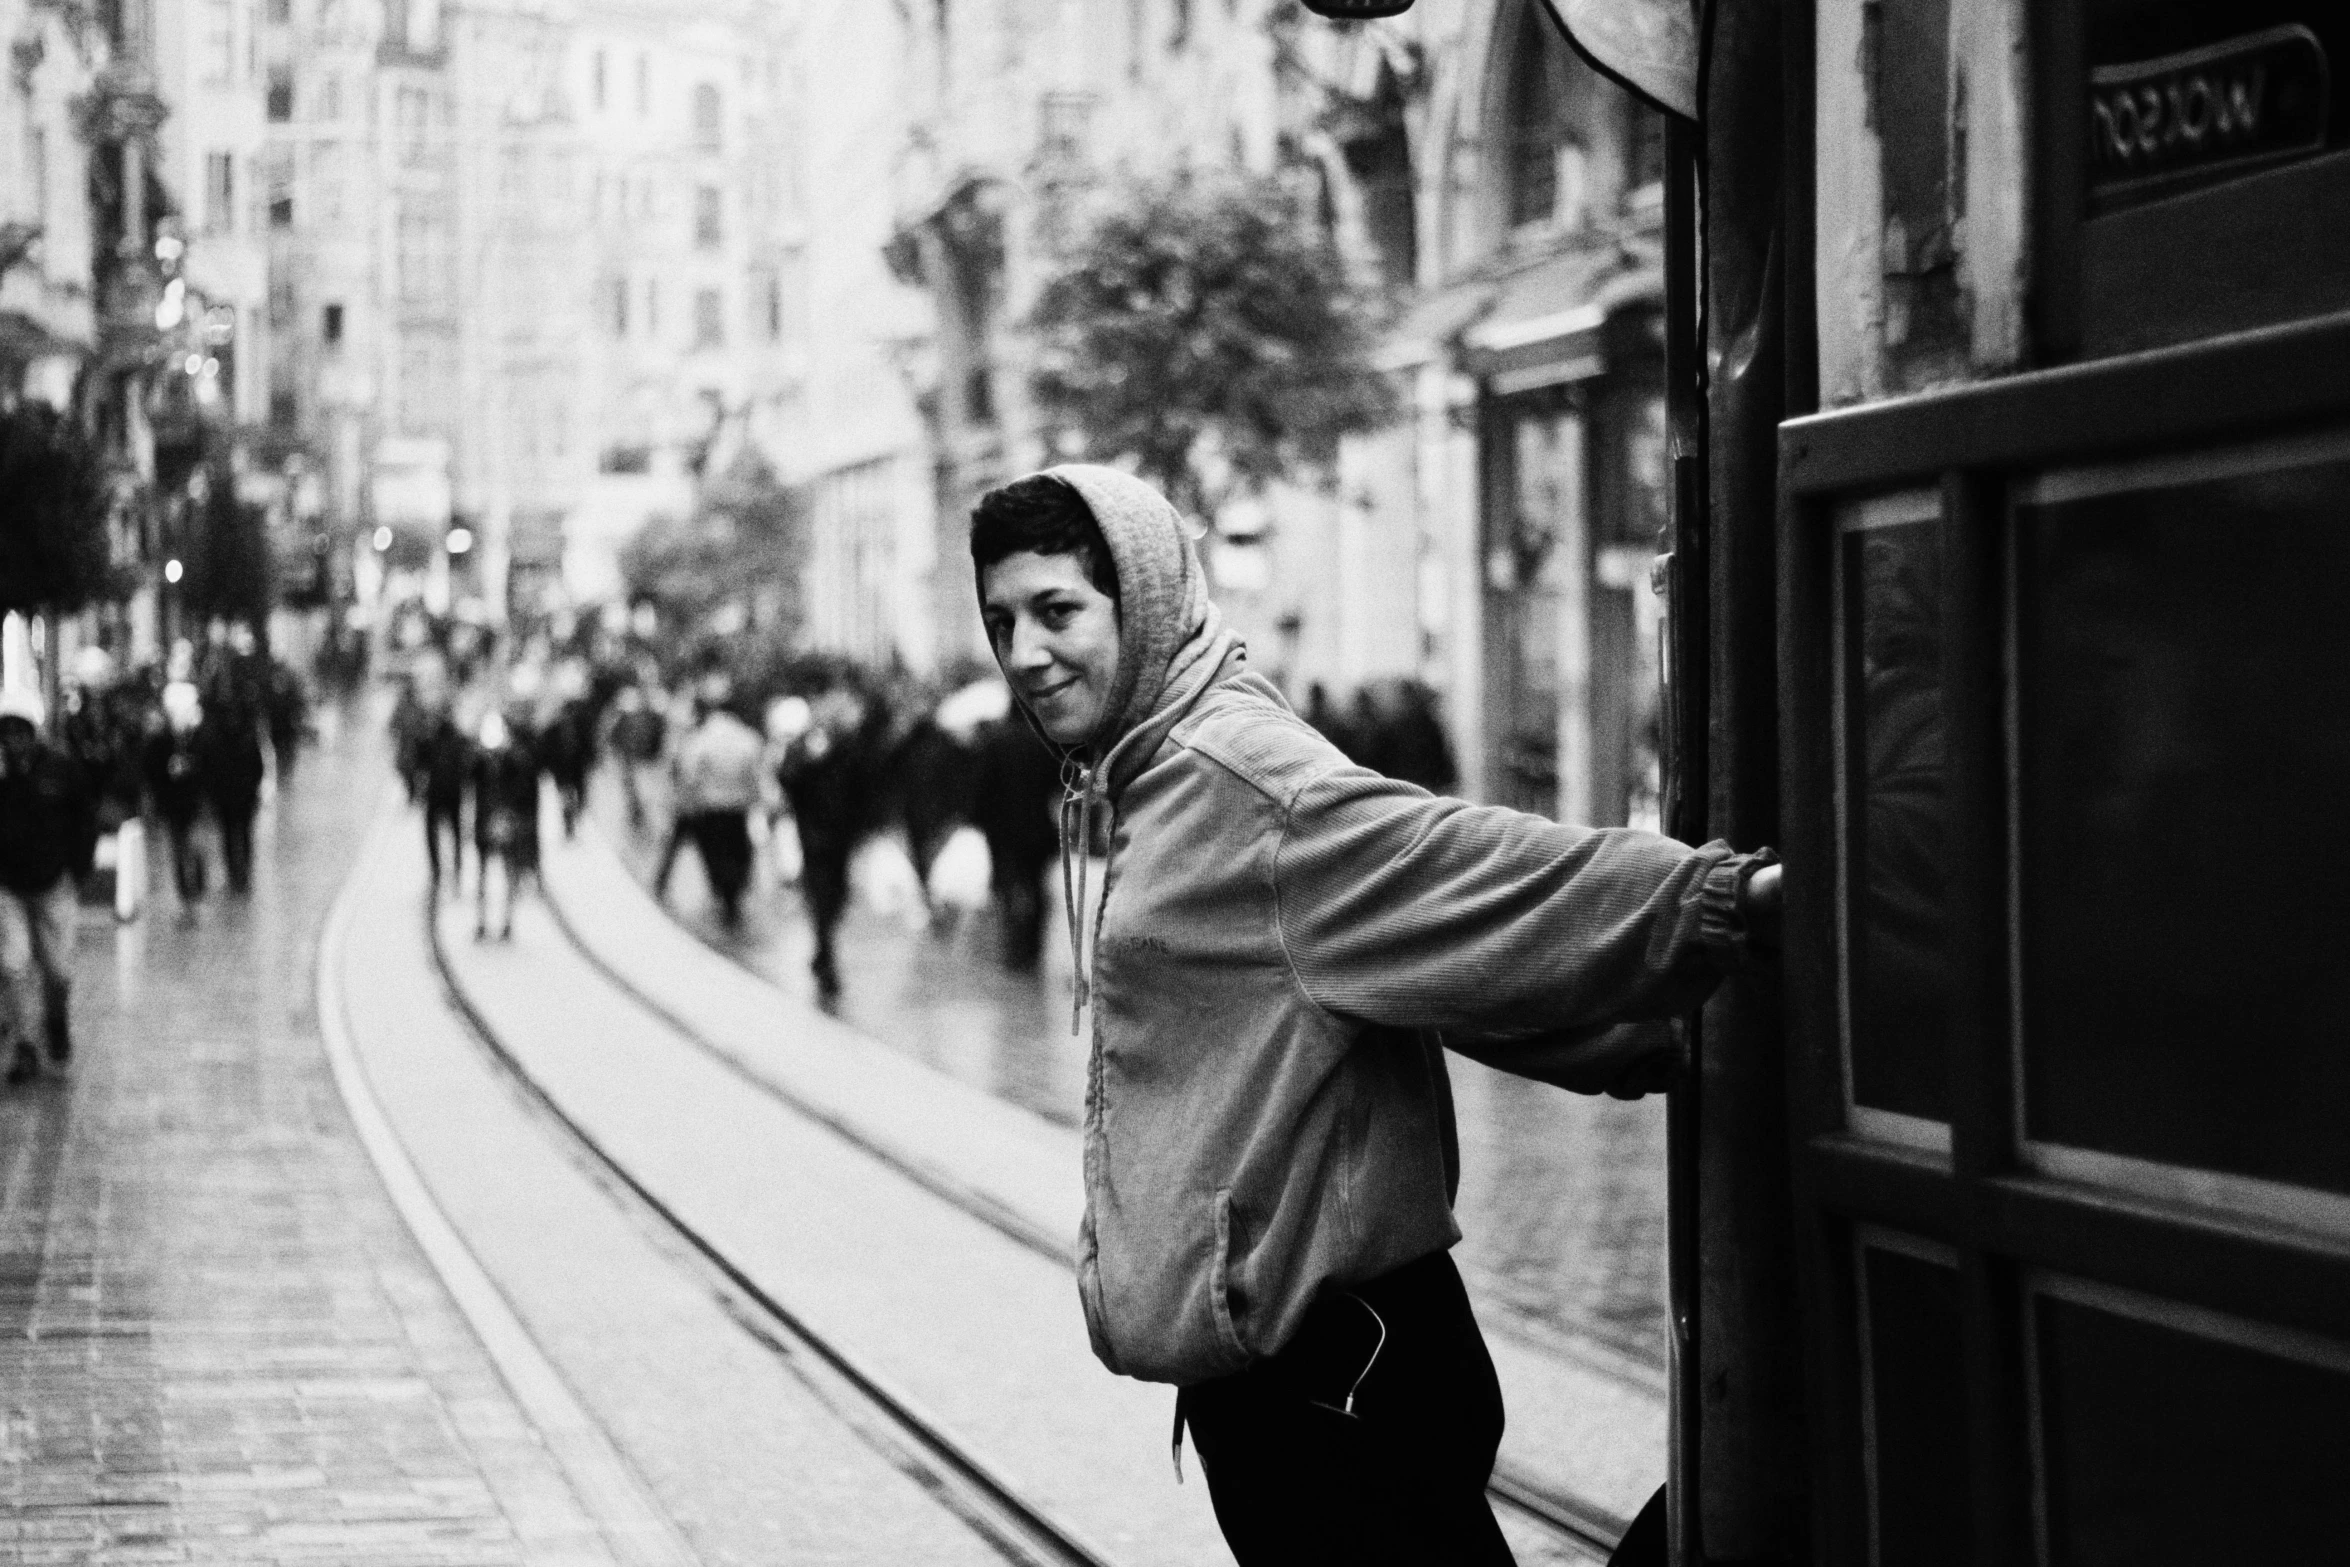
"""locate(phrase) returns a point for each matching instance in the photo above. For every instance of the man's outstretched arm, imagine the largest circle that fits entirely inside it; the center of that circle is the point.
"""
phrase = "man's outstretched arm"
(1402, 909)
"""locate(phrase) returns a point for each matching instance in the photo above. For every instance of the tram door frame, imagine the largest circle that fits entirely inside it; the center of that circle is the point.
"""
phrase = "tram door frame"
(2008, 1222)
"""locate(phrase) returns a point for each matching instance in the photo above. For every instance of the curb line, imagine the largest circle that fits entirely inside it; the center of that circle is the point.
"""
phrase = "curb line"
(608, 1489)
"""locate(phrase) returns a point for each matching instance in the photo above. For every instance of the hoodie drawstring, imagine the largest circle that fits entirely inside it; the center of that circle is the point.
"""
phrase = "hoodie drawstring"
(1081, 791)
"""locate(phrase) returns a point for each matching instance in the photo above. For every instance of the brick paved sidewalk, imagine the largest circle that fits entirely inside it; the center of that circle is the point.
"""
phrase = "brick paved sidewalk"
(218, 1343)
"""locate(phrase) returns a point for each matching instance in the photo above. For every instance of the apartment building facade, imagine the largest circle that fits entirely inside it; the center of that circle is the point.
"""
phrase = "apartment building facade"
(1492, 544)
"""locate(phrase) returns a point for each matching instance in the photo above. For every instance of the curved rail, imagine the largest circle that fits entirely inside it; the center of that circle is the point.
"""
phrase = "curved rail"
(1578, 1522)
(1019, 1529)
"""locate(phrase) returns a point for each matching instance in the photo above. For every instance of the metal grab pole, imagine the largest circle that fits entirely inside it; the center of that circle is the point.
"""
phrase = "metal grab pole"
(1687, 789)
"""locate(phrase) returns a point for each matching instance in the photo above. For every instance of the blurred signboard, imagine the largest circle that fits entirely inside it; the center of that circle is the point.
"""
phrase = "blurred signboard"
(408, 485)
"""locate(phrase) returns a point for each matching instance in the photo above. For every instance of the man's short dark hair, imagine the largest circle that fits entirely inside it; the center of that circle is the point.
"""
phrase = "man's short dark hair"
(1045, 515)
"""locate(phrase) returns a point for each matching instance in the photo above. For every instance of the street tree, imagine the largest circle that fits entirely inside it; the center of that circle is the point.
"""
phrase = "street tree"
(728, 576)
(55, 555)
(1206, 333)
(230, 572)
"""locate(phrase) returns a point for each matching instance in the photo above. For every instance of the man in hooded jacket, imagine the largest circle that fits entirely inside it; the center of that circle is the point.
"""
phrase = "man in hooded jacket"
(1284, 946)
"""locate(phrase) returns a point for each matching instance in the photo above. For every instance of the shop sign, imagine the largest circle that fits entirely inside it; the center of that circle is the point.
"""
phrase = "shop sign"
(2228, 107)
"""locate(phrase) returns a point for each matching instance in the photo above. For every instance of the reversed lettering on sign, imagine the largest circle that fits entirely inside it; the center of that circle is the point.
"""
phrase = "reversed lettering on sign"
(2231, 106)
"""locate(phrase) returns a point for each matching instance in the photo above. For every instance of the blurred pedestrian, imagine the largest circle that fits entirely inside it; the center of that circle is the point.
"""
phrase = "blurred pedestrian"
(48, 831)
(1414, 748)
(505, 778)
(567, 743)
(1324, 715)
(1269, 1152)
(443, 762)
(228, 745)
(173, 764)
(929, 776)
(636, 736)
(287, 707)
(1013, 805)
(717, 787)
(100, 730)
(827, 778)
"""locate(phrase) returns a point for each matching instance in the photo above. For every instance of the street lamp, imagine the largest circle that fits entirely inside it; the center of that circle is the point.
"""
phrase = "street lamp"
(383, 538)
(173, 570)
(460, 539)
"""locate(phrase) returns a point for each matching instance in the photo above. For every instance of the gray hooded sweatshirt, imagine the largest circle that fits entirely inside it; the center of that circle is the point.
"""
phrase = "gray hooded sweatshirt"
(1285, 945)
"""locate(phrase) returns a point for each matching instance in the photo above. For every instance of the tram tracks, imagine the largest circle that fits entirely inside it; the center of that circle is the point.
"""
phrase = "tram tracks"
(1584, 1525)
(1021, 1530)
(978, 1492)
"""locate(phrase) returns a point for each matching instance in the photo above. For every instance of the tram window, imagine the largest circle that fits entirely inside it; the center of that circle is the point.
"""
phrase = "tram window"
(1917, 1424)
(1896, 881)
(2183, 642)
(2164, 1445)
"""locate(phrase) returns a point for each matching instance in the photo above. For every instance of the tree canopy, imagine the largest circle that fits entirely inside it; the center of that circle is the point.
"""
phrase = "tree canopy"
(230, 572)
(1204, 332)
(731, 569)
(54, 550)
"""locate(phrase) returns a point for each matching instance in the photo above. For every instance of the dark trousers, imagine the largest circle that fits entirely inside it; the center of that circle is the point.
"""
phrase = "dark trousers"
(187, 857)
(441, 816)
(723, 839)
(824, 883)
(1297, 1480)
(236, 842)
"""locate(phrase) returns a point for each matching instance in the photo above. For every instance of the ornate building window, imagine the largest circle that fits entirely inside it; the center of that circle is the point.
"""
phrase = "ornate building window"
(1536, 122)
(709, 124)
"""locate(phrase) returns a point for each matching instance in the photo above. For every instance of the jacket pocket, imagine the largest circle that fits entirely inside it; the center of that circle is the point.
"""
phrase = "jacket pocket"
(1220, 1286)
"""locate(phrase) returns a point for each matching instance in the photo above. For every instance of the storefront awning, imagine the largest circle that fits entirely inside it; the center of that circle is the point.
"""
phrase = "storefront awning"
(1552, 323)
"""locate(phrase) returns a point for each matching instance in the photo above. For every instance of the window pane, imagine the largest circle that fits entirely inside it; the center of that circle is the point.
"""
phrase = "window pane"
(2165, 1447)
(2185, 676)
(1897, 887)
(1917, 1411)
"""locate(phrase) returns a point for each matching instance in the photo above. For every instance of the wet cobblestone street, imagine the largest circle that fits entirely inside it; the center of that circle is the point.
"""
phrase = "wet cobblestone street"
(217, 1340)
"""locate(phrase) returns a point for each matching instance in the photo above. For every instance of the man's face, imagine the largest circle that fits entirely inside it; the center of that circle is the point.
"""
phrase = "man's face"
(1056, 635)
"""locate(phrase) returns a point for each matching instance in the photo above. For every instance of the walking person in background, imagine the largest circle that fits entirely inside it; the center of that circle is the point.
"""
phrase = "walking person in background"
(411, 717)
(505, 779)
(287, 707)
(174, 770)
(1017, 788)
(827, 779)
(718, 770)
(48, 831)
(1287, 944)
(100, 732)
(567, 743)
(442, 762)
(229, 749)
(636, 735)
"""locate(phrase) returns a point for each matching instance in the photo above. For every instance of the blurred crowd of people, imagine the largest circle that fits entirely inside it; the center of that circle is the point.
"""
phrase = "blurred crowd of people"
(818, 759)
(188, 741)
(815, 757)
(1391, 727)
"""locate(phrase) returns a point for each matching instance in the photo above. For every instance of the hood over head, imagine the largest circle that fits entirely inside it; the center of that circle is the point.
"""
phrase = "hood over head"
(1171, 637)
(1171, 646)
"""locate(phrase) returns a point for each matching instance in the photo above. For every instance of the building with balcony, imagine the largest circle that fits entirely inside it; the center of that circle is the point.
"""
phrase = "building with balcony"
(1493, 544)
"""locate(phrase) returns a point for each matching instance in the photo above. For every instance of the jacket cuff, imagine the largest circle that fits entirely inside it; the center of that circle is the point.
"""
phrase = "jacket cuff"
(1721, 923)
